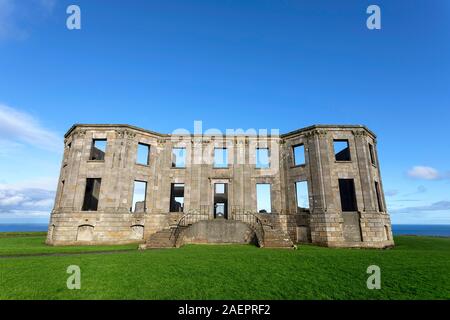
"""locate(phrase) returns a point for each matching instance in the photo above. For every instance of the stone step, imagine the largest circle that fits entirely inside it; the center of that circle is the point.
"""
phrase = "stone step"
(273, 238)
(160, 239)
(276, 238)
(278, 245)
(279, 238)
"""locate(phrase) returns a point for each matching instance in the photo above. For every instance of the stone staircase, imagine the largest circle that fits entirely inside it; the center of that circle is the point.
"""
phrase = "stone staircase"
(160, 239)
(274, 237)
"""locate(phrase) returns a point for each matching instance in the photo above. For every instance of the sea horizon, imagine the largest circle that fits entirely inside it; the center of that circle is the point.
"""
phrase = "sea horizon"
(438, 230)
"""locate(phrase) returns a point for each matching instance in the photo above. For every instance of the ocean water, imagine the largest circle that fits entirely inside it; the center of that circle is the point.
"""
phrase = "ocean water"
(442, 230)
(23, 227)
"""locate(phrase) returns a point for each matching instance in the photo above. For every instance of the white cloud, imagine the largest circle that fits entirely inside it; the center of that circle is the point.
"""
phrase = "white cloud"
(20, 127)
(24, 216)
(32, 214)
(44, 183)
(10, 200)
(27, 199)
(424, 172)
(9, 147)
(434, 213)
(436, 206)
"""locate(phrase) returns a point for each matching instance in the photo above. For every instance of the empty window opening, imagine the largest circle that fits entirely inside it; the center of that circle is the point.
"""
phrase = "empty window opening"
(380, 203)
(221, 200)
(263, 198)
(91, 194)
(177, 197)
(372, 154)
(143, 154)
(220, 188)
(220, 210)
(61, 192)
(262, 158)
(341, 150)
(52, 232)
(220, 158)
(98, 149)
(301, 189)
(139, 196)
(387, 233)
(67, 152)
(179, 157)
(299, 155)
(348, 195)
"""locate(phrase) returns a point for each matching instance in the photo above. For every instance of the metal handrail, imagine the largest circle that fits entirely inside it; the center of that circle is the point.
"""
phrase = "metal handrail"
(186, 220)
(254, 221)
(193, 216)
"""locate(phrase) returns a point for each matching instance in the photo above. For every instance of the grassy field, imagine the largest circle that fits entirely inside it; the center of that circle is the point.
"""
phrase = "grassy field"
(417, 268)
(32, 243)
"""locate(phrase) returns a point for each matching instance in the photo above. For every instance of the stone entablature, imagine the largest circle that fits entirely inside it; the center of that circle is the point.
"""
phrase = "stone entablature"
(325, 222)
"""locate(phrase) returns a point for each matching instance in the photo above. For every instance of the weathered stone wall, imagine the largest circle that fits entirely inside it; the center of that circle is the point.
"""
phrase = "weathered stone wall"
(219, 231)
(113, 222)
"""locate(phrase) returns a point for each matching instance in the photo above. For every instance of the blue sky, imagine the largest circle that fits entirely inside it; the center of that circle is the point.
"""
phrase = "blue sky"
(270, 64)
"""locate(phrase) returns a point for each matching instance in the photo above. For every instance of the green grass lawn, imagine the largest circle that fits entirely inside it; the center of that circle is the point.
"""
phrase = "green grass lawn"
(32, 243)
(417, 268)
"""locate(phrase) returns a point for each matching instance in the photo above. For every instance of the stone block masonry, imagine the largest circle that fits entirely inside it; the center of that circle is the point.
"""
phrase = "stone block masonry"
(122, 184)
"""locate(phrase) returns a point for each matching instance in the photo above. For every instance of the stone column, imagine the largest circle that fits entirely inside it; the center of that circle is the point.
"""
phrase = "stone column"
(62, 176)
(126, 169)
(326, 221)
(363, 161)
(69, 198)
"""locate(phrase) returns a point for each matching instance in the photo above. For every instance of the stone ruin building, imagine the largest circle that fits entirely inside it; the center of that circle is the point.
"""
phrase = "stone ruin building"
(122, 184)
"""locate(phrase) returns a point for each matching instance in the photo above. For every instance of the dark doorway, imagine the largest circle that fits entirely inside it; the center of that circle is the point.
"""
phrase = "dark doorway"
(177, 197)
(348, 196)
(91, 194)
(380, 203)
(221, 200)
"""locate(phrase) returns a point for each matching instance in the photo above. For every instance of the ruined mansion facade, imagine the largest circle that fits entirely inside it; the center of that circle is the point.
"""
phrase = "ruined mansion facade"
(123, 184)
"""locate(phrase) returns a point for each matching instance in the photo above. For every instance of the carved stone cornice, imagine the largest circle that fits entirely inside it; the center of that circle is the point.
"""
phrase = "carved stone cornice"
(130, 134)
(196, 141)
(316, 132)
(125, 134)
(80, 134)
(120, 133)
(359, 133)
